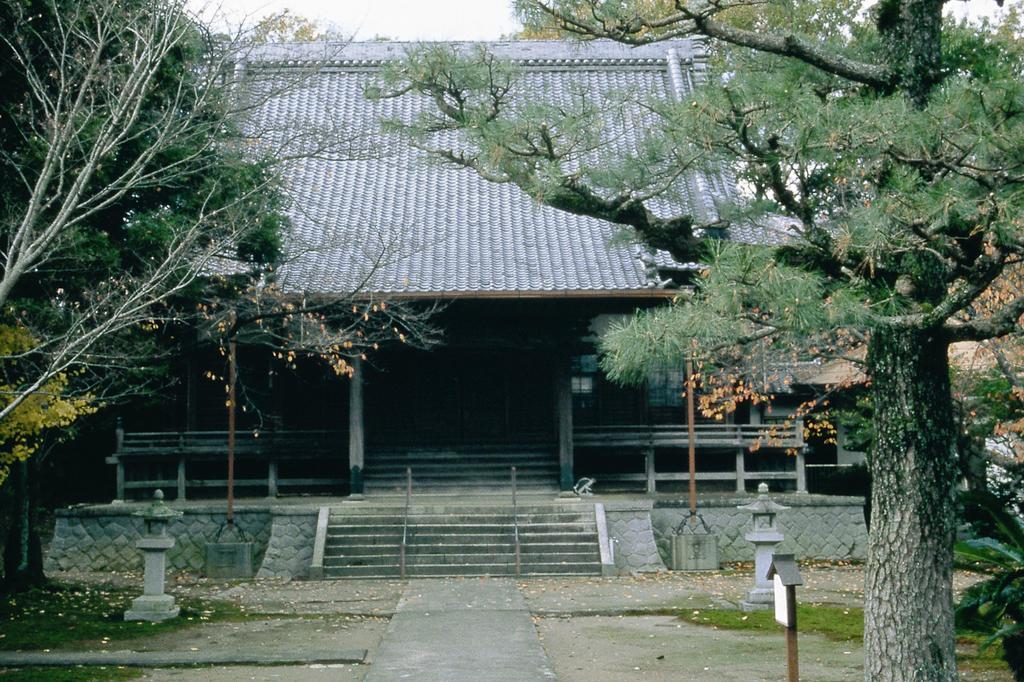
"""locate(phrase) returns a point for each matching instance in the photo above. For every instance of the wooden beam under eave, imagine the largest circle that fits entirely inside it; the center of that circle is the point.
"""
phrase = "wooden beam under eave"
(656, 294)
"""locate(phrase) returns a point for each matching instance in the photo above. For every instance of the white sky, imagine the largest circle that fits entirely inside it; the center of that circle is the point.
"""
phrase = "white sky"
(433, 19)
(396, 19)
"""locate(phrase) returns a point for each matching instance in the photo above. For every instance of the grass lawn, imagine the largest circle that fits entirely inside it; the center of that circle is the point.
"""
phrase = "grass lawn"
(92, 674)
(68, 616)
(845, 624)
(838, 623)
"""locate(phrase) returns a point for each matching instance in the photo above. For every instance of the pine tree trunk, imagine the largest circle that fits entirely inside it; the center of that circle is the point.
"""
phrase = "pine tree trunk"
(911, 32)
(908, 615)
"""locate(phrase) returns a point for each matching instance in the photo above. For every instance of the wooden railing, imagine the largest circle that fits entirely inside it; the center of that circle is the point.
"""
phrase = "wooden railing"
(142, 443)
(284, 442)
(272, 447)
(740, 438)
(707, 435)
(181, 447)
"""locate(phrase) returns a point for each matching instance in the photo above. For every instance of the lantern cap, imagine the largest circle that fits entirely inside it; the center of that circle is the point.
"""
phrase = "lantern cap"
(763, 504)
(158, 510)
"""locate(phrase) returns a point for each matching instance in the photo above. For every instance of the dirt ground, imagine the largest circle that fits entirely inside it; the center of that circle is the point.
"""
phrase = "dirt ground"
(286, 636)
(291, 635)
(593, 629)
(662, 648)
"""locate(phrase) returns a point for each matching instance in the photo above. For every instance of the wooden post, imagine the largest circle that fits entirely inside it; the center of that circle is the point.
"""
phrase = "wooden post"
(232, 377)
(563, 409)
(356, 444)
(652, 484)
(691, 440)
(801, 471)
(119, 436)
(120, 479)
(272, 478)
(181, 477)
(785, 576)
(741, 471)
(792, 658)
(118, 446)
(741, 482)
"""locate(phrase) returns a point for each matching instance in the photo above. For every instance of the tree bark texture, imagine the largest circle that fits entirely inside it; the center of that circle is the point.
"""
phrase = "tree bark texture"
(911, 31)
(908, 616)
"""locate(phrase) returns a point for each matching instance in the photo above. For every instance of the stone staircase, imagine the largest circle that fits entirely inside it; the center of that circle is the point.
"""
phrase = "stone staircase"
(455, 471)
(556, 538)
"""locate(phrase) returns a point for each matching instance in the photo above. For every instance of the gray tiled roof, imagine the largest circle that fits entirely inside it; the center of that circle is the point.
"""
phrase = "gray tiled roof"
(393, 220)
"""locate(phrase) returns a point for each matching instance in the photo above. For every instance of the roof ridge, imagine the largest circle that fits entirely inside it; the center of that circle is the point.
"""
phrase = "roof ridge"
(528, 52)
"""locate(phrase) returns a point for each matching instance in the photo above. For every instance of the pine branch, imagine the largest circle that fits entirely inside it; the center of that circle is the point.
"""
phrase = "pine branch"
(688, 20)
(1001, 324)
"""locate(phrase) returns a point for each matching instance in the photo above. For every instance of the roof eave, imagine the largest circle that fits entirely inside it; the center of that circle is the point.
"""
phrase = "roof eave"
(651, 294)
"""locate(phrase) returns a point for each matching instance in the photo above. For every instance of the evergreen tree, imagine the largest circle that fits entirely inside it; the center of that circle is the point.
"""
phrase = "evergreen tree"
(893, 142)
(123, 180)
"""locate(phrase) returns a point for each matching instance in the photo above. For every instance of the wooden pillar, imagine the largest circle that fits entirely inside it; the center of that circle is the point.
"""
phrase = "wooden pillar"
(652, 485)
(120, 479)
(741, 471)
(118, 436)
(801, 471)
(118, 447)
(272, 478)
(181, 478)
(356, 445)
(563, 409)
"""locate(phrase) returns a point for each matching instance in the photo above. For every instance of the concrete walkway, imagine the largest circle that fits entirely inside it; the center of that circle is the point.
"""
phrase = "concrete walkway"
(461, 629)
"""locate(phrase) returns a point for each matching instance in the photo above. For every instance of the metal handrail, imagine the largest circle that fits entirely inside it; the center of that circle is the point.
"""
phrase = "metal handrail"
(405, 521)
(515, 521)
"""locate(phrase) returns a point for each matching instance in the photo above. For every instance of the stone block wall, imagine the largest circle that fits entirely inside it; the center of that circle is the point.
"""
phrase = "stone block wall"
(102, 538)
(632, 536)
(290, 548)
(815, 526)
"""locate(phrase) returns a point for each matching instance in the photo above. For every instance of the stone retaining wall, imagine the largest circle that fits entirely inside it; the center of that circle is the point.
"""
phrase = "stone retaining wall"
(290, 548)
(815, 526)
(102, 538)
(632, 537)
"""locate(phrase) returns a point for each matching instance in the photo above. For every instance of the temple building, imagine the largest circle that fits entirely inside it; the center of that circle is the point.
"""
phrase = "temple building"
(525, 292)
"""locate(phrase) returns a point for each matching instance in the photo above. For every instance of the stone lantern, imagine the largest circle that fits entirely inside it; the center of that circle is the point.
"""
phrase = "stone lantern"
(766, 537)
(153, 604)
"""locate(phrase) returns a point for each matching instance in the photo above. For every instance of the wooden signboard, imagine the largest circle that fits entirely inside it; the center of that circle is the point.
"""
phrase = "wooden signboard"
(782, 597)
